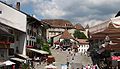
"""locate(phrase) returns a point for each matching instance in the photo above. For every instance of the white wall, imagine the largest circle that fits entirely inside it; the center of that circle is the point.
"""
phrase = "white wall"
(21, 43)
(12, 17)
(55, 31)
(83, 48)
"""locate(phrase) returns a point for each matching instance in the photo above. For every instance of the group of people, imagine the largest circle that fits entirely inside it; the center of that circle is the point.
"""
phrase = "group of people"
(90, 67)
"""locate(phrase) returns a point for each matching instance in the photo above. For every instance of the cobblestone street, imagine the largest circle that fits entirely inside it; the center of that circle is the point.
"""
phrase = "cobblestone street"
(61, 58)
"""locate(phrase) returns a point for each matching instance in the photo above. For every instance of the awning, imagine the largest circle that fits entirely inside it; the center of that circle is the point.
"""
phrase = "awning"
(50, 67)
(24, 56)
(8, 62)
(17, 59)
(38, 51)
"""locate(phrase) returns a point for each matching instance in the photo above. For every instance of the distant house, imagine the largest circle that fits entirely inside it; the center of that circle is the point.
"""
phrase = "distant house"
(57, 26)
(83, 45)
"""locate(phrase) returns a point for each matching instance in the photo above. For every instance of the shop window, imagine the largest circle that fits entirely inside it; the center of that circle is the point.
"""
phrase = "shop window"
(11, 51)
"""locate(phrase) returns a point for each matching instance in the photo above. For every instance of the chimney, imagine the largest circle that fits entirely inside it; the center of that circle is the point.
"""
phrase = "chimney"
(18, 5)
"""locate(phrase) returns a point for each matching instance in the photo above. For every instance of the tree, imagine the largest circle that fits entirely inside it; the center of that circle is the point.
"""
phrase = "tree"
(79, 35)
(44, 45)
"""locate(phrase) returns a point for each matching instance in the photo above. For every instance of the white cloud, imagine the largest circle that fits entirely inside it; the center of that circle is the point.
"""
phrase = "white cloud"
(77, 11)
(48, 9)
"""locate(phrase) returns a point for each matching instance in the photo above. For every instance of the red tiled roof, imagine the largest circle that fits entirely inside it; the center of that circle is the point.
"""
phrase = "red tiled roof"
(66, 35)
(58, 23)
(79, 27)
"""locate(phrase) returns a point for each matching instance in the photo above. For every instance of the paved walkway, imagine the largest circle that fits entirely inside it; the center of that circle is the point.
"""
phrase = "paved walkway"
(61, 57)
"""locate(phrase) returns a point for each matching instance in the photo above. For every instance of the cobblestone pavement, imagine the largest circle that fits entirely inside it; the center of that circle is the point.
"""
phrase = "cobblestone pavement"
(61, 57)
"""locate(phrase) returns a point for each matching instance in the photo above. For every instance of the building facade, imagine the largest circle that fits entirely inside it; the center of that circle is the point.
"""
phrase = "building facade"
(13, 28)
(57, 26)
(103, 42)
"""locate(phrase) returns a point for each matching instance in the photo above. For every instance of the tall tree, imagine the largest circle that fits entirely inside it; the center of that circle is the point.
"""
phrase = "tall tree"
(79, 35)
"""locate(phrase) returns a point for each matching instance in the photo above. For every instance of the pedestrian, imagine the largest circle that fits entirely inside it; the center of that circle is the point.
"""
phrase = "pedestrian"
(73, 58)
(74, 54)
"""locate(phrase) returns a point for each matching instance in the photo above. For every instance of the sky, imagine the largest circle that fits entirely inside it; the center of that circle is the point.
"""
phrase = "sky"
(85, 12)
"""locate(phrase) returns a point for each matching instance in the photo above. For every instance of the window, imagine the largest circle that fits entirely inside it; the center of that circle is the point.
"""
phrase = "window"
(27, 42)
(54, 33)
(34, 33)
(32, 43)
(81, 45)
(17, 38)
(11, 39)
(28, 31)
(0, 12)
(11, 31)
(82, 50)
(11, 51)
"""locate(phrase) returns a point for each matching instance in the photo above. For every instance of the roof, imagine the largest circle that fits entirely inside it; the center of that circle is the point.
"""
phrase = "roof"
(118, 14)
(58, 23)
(79, 27)
(14, 8)
(99, 27)
(29, 17)
(19, 10)
(66, 35)
(107, 28)
(87, 26)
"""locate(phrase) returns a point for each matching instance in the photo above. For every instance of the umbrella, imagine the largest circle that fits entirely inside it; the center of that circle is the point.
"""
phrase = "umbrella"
(50, 67)
(8, 62)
